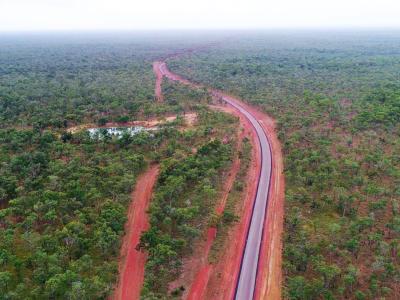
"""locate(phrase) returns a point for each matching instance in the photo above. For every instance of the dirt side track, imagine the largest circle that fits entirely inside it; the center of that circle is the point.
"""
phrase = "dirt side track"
(132, 262)
(158, 90)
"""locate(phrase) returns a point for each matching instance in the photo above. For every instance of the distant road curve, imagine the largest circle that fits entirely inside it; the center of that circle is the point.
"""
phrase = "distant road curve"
(246, 284)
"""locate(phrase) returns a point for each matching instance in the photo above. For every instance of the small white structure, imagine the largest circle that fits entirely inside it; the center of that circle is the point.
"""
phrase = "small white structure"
(99, 133)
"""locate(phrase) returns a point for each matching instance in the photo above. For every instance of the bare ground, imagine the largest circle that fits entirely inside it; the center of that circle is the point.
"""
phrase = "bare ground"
(132, 261)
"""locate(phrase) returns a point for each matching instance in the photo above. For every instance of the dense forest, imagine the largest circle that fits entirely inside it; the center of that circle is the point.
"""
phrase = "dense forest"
(336, 99)
(64, 194)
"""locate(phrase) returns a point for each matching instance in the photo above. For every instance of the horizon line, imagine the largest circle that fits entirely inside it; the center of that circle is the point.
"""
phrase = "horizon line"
(216, 29)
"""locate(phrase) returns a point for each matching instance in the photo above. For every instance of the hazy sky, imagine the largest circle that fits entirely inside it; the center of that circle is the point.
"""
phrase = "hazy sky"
(165, 14)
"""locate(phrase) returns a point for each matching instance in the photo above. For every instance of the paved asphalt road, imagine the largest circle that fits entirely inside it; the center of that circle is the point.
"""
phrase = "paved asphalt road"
(248, 270)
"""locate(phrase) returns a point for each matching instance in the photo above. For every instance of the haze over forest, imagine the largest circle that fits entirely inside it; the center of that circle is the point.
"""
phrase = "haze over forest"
(26, 15)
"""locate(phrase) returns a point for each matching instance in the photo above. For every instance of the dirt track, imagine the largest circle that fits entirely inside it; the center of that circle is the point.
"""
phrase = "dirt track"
(132, 262)
(158, 89)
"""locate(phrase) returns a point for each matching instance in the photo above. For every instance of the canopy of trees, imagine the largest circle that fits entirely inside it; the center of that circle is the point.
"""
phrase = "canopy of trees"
(336, 99)
(63, 196)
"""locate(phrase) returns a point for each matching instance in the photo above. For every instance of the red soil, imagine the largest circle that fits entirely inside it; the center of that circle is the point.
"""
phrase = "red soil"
(223, 277)
(132, 262)
(159, 76)
(201, 277)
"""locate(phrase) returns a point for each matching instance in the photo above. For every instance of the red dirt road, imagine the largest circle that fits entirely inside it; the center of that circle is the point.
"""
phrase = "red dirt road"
(132, 262)
(158, 89)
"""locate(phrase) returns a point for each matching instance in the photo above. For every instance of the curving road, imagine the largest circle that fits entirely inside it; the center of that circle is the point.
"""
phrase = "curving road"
(248, 270)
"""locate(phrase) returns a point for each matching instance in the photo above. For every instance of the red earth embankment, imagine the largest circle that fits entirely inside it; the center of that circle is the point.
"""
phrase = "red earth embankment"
(269, 279)
(132, 261)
